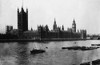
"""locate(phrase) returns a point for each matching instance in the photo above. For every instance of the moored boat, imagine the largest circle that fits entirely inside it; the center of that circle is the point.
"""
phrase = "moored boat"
(37, 51)
(80, 48)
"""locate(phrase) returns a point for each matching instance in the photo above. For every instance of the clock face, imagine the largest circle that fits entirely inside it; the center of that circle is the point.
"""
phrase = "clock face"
(72, 25)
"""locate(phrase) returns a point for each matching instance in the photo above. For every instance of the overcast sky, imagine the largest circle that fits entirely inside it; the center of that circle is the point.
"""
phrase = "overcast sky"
(85, 12)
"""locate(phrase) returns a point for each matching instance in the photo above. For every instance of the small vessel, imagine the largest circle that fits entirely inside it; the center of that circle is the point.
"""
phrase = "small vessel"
(80, 48)
(94, 62)
(37, 51)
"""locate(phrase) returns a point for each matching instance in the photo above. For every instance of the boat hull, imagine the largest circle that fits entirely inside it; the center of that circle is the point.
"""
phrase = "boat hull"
(37, 51)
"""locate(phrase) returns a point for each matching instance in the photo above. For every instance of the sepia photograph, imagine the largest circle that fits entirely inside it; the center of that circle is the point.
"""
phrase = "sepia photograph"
(49, 32)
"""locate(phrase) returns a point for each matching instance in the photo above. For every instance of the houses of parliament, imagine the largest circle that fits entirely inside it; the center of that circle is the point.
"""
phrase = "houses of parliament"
(42, 32)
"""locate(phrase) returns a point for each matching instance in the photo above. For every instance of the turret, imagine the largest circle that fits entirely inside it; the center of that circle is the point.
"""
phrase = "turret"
(62, 28)
(55, 25)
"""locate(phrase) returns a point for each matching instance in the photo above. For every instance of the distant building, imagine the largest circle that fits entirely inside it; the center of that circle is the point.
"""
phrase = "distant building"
(69, 29)
(9, 29)
(14, 32)
(22, 20)
(43, 31)
(57, 32)
(73, 26)
(31, 35)
(83, 34)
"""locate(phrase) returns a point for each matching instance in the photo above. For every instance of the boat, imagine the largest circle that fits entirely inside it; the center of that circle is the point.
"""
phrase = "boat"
(94, 62)
(80, 48)
(37, 51)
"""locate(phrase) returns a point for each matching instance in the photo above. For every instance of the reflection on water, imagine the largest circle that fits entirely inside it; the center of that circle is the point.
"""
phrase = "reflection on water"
(22, 54)
(16, 53)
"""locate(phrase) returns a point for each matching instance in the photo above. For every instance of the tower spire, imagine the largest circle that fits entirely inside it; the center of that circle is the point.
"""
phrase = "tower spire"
(73, 21)
(54, 25)
(22, 3)
(22, 6)
(54, 19)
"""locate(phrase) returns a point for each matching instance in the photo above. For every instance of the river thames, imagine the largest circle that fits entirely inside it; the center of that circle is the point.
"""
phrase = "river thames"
(18, 53)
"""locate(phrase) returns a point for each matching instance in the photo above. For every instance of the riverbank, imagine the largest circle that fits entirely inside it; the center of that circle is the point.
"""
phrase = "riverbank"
(41, 40)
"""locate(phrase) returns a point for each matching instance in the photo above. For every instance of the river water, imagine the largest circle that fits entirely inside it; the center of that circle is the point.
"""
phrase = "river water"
(18, 53)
